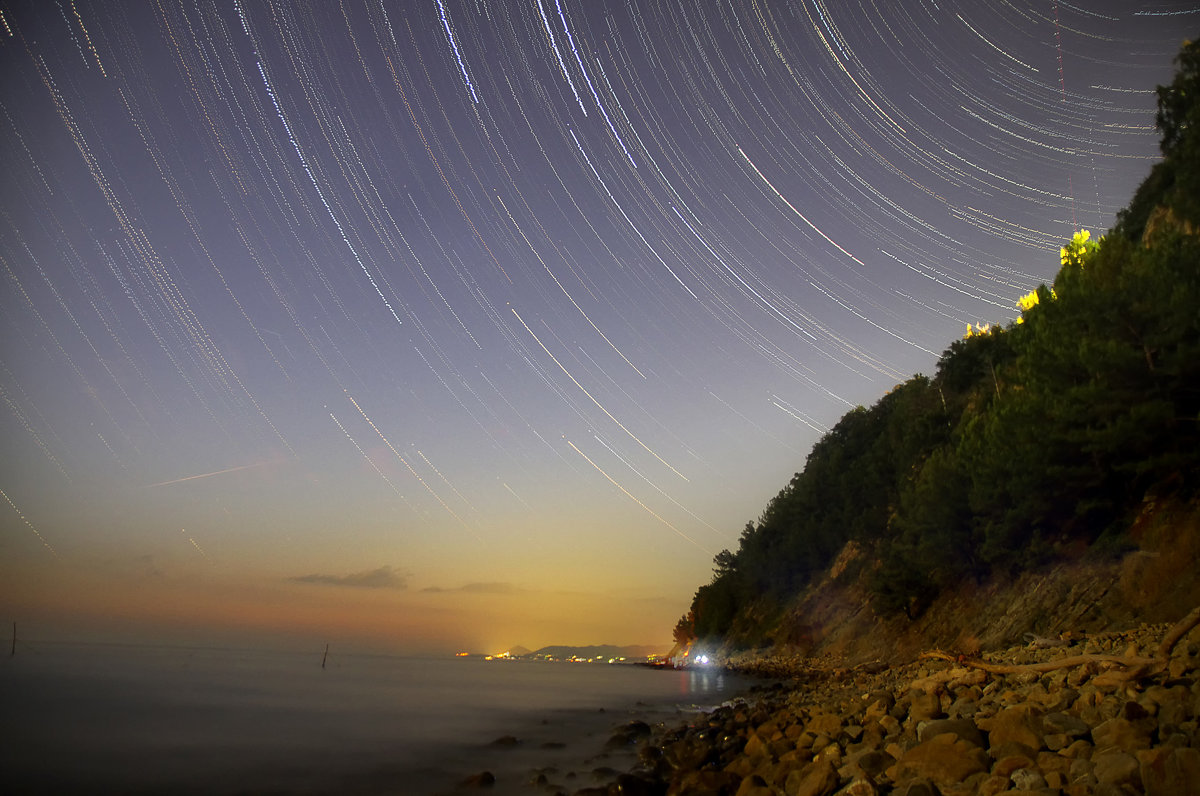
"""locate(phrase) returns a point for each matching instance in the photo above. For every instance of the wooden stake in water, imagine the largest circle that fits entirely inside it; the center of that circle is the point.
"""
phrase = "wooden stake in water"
(323, 657)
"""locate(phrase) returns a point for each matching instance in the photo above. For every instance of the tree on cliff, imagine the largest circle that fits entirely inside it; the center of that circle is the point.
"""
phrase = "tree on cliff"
(1031, 437)
(1174, 183)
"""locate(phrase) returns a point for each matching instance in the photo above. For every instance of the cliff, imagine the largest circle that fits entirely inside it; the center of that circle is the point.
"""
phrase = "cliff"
(1156, 581)
(1045, 479)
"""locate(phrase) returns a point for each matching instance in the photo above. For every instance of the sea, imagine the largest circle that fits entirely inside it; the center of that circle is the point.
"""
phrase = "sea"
(111, 718)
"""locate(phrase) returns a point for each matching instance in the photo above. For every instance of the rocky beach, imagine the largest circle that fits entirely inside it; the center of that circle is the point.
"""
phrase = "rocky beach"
(1113, 712)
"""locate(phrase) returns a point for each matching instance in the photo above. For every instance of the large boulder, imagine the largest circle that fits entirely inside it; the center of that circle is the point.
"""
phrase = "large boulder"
(945, 759)
(1018, 724)
(1121, 733)
(1166, 772)
(818, 779)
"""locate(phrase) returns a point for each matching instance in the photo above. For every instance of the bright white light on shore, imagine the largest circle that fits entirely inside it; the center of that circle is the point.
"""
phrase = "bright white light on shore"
(702, 660)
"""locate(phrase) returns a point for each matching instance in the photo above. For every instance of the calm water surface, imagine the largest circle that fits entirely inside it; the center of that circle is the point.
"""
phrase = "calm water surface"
(95, 718)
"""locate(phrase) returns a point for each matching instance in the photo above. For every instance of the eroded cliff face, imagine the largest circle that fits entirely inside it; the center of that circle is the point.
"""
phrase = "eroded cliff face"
(1159, 581)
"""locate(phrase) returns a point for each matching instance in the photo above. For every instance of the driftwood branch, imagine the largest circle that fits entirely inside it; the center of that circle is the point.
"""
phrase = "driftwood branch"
(1178, 631)
(1135, 665)
(1044, 666)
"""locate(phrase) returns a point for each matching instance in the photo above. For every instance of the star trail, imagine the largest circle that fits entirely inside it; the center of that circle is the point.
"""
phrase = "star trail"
(543, 292)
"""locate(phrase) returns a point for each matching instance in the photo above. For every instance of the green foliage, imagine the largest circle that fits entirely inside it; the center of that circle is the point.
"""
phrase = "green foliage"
(685, 630)
(1178, 111)
(1173, 184)
(900, 584)
(1050, 431)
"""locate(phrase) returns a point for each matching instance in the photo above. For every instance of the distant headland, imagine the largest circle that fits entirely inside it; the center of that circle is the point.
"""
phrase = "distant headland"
(595, 653)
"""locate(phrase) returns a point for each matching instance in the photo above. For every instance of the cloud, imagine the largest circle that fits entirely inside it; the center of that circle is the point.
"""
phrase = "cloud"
(479, 588)
(382, 578)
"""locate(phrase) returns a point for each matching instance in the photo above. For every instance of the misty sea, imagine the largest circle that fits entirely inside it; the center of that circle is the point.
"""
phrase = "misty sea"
(107, 718)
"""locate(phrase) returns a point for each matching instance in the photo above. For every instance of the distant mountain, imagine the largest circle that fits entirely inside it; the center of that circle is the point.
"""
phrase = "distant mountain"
(595, 651)
(518, 652)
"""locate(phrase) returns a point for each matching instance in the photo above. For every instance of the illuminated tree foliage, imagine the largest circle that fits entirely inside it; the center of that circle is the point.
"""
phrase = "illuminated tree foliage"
(1032, 440)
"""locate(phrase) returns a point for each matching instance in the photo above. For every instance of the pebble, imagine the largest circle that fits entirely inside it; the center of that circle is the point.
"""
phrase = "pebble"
(933, 729)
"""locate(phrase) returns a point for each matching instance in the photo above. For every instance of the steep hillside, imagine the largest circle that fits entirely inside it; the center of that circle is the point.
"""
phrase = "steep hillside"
(1045, 476)
(1158, 581)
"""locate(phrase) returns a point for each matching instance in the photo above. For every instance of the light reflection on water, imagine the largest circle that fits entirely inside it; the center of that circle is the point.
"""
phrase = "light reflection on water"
(102, 718)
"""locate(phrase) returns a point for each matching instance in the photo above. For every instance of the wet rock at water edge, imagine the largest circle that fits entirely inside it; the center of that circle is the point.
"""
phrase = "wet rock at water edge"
(484, 779)
(628, 735)
(506, 742)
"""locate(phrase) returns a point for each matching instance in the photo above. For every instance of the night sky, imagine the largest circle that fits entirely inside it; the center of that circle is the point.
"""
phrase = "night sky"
(440, 325)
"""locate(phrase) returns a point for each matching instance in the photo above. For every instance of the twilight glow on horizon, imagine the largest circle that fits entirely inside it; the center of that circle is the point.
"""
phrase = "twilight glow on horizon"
(451, 325)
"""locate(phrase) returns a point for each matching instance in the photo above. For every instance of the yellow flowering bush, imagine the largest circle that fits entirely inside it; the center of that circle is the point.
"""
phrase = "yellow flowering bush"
(973, 331)
(1077, 250)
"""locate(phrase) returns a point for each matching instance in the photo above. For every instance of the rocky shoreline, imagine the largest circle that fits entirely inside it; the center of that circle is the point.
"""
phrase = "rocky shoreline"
(934, 727)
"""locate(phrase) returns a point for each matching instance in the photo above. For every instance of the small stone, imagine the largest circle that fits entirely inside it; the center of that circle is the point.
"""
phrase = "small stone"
(1173, 712)
(859, 787)
(879, 707)
(993, 785)
(890, 725)
(965, 729)
(1077, 749)
(1027, 779)
(963, 708)
(925, 706)
(1121, 733)
(1079, 676)
(755, 747)
(1115, 767)
(1060, 699)
(832, 753)
(970, 677)
(754, 785)
(824, 724)
(1049, 762)
(1065, 724)
(1007, 765)
(916, 787)
(1009, 748)
(1082, 772)
(1175, 739)
(819, 779)
(868, 764)
(1056, 741)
